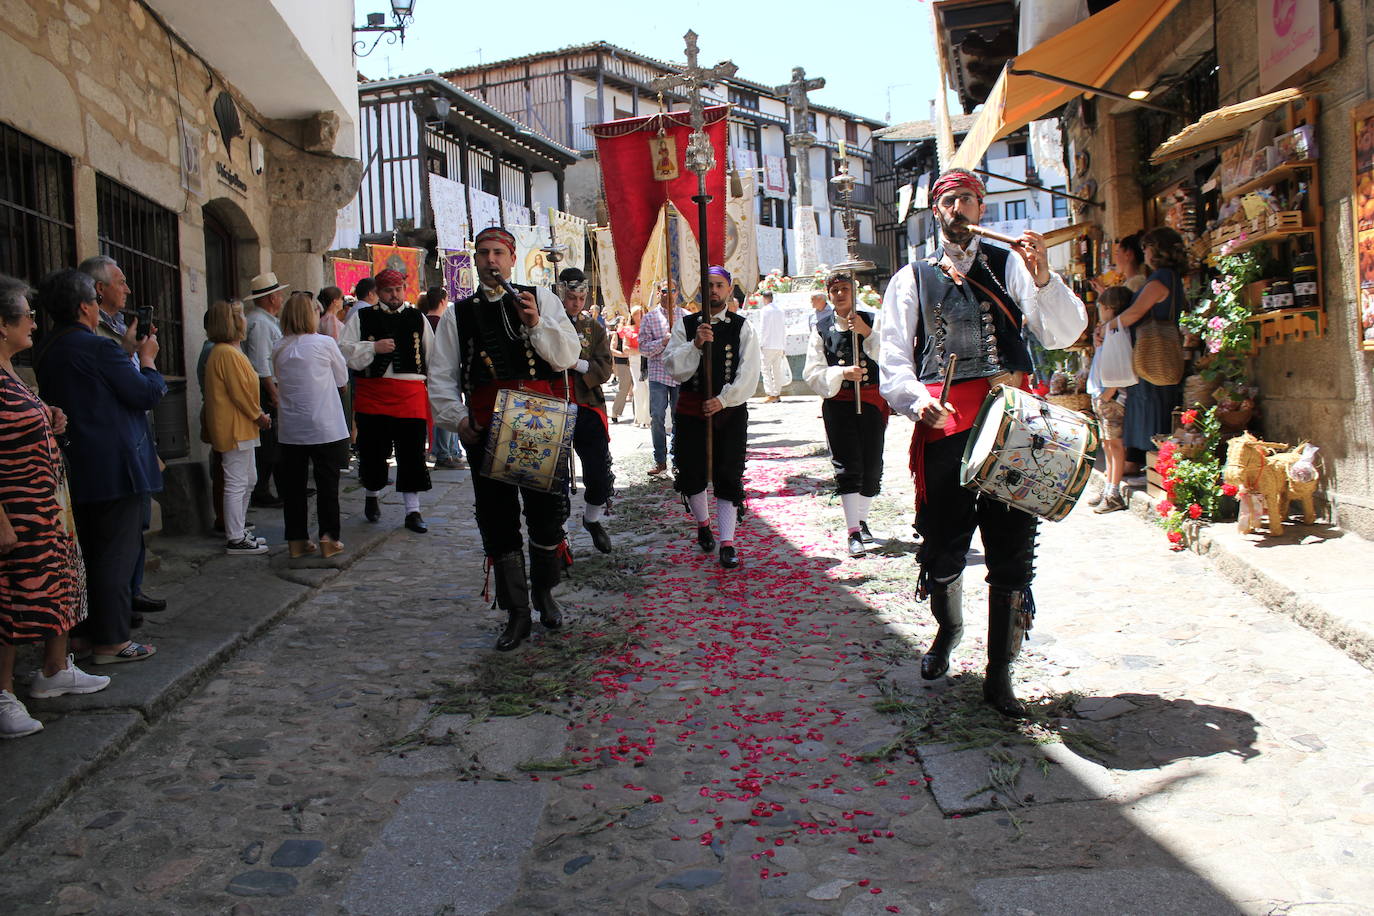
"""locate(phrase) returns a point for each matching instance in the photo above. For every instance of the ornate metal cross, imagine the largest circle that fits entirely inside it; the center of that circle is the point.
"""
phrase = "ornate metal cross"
(801, 138)
(700, 158)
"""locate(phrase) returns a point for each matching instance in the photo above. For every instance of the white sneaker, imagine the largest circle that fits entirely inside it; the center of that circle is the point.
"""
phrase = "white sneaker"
(15, 721)
(250, 534)
(70, 679)
(244, 547)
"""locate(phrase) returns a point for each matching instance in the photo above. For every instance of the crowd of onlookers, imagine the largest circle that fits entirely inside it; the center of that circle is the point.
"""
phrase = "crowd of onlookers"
(79, 464)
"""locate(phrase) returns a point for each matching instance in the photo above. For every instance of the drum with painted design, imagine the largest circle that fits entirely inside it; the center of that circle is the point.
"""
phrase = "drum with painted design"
(1029, 453)
(529, 442)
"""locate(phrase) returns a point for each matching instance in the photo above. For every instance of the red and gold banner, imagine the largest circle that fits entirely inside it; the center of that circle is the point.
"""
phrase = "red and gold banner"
(348, 272)
(641, 169)
(405, 260)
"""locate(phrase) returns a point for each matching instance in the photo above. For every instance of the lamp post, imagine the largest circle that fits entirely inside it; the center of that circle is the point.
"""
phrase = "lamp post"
(402, 12)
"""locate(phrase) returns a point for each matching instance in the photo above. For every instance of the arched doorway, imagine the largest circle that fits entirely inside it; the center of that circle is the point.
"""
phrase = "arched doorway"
(231, 250)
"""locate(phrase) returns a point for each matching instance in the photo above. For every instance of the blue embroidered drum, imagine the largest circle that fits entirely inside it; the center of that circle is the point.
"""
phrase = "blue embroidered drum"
(1029, 454)
(529, 443)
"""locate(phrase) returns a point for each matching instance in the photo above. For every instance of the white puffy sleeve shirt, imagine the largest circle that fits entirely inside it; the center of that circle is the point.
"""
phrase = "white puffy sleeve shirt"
(682, 359)
(310, 371)
(1052, 313)
(825, 379)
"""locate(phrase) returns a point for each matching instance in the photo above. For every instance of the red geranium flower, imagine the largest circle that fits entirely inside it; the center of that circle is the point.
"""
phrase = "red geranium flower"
(1164, 507)
(1189, 417)
(1195, 511)
(1229, 489)
(1176, 538)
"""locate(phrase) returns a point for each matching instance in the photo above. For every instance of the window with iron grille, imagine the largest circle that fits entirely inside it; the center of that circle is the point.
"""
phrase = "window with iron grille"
(37, 234)
(142, 236)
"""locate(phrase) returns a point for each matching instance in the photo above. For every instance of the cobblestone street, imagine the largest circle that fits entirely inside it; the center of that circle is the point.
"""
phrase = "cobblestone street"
(758, 741)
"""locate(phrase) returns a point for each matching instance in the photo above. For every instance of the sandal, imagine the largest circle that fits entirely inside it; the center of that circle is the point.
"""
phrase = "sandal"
(133, 652)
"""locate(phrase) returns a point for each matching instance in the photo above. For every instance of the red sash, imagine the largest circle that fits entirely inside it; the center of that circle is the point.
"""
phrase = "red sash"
(869, 394)
(965, 397)
(560, 390)
(391, 397)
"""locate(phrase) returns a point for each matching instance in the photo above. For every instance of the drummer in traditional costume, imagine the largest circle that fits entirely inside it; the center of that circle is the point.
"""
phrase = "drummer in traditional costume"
(735, 366)
(389, 344)
(974, 301)
(591, 434)
(491, 340)
(855, 436)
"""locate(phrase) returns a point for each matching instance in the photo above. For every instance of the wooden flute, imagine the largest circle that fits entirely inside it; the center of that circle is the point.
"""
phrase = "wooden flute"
(995, 236)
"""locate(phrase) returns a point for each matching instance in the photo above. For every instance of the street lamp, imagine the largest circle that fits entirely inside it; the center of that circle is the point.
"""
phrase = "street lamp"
(402, 12)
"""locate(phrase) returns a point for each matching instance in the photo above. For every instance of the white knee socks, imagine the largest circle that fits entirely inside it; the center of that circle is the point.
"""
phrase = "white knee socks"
(412, 502)
(865, 503)
(592, 513)
(726, 514)
(700, 512)
(853, 510)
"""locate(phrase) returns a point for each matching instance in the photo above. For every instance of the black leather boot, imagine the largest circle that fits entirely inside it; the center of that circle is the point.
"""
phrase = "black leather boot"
(512, 596)
(947, 604)
(546, 570)
(1007, 625)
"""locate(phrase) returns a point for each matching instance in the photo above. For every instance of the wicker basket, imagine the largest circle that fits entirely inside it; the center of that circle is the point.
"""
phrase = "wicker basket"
(1197, 392)
(1079, 402)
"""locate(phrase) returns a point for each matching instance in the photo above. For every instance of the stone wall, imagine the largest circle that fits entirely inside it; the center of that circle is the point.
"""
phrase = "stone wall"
(104, 83)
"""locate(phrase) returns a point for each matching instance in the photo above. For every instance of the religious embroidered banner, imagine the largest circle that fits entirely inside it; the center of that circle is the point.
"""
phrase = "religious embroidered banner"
(459, 277)
(486, 210)
(571, 231)
(405, 260)
(630, 174)
(741, 255)
(449, 203)
(347, 273)
(532, 266)
(612, 293)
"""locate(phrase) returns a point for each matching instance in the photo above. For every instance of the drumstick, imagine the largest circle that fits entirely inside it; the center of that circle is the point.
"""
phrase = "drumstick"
(995, 236)
(948, 380)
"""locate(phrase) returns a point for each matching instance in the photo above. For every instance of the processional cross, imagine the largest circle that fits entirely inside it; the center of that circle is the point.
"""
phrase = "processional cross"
(854, 264)
(700, 160)
(801, 137)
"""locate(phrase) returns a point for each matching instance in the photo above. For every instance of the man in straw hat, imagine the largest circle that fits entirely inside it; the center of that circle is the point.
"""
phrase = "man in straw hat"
(506, 336)
(266, 298)
(390, 345)
(735, 362)
(973, 301)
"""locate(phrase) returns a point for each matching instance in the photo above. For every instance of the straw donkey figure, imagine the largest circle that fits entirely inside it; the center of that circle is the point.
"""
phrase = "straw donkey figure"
(1264, 469)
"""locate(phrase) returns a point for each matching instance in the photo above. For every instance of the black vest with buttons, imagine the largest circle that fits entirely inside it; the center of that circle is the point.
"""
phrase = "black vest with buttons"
(406, 326)
(839, 347)
(493, 345)
(962, 319)
(725, 353)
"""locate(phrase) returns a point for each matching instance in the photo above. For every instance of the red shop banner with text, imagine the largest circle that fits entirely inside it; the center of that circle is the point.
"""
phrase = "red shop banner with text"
(643, 164)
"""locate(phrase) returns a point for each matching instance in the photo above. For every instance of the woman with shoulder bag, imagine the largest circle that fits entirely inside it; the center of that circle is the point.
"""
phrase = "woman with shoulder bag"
(1153, 320)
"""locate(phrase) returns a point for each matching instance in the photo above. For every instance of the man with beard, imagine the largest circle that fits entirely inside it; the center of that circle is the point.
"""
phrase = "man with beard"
(591, 434)
(505, 336)
(389, 345)
(974, 301)
(735, 366)
(855, 436)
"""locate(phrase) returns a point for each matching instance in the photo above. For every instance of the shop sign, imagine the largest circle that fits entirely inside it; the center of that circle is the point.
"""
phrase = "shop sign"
(1290, 38)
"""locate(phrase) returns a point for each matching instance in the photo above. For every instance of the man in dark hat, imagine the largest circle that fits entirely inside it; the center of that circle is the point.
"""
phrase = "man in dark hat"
(975, 301)
(591, 435)
(735, 368)
(506, 336)
(833, 369)
(390, 345)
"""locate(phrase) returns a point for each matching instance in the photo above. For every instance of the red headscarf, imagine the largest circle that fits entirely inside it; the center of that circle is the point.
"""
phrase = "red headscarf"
(495, 234)
(956, 179)
(389, 278)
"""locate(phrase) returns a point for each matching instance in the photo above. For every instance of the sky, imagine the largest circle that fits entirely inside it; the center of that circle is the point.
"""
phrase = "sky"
(884, 68)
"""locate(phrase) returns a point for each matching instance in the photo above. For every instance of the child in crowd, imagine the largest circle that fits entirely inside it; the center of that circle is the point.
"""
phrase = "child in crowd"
(1110, 408)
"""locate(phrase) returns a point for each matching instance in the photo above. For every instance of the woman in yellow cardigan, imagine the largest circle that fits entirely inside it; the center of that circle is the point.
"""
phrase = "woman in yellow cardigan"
(233, 418)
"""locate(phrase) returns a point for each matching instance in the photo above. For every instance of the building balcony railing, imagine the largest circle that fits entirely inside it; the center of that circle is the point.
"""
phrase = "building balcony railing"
(863, 195)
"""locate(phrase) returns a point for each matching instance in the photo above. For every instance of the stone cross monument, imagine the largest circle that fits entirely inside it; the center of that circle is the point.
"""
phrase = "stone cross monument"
(801, 140)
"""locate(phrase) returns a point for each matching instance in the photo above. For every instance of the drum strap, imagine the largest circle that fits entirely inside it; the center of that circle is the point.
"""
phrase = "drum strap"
(958, 277)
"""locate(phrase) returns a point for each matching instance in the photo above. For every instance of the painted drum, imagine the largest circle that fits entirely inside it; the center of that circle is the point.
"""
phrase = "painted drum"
(1028, 453)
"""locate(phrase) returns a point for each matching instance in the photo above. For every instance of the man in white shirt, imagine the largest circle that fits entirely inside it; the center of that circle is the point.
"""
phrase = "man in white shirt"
(773, 344)
(734, 377)
(506, 336)
(974, 301)
(264, 330)
(390, 345)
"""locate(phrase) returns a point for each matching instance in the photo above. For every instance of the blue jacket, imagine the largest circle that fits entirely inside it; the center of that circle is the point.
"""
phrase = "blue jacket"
(110, 450)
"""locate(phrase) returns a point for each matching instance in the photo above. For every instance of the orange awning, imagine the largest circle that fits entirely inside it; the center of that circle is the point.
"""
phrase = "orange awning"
(1090, 52)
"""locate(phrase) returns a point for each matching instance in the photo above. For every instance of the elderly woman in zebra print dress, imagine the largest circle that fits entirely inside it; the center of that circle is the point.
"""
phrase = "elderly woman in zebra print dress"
(42, 579)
